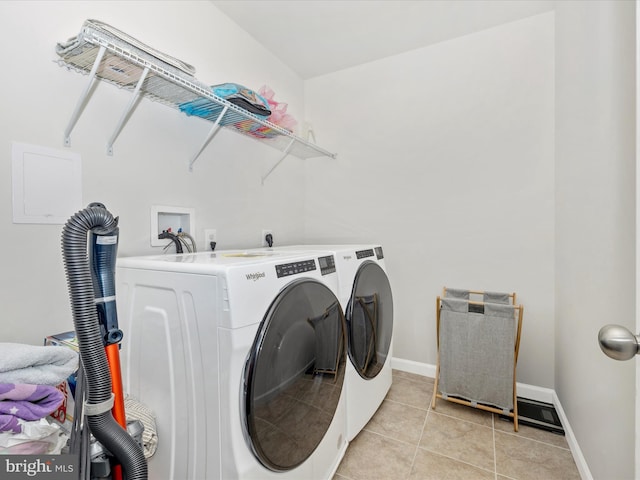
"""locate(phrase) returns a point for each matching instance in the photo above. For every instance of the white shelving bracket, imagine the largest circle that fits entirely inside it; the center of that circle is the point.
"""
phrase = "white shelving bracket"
(82, 101)
(212, 132)
(285, 154)
(127, 112)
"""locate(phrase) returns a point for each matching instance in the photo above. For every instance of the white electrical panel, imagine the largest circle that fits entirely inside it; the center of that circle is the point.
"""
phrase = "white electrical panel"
(47, 184)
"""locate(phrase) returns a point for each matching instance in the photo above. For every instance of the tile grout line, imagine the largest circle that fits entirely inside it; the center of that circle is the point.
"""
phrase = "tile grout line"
(453, 417)
(384, 435)
(514, 434)
(406, 404)
(457, 460)
(415, 453)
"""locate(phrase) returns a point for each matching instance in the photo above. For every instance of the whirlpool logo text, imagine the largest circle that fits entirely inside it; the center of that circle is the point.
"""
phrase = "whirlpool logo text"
(255, 276)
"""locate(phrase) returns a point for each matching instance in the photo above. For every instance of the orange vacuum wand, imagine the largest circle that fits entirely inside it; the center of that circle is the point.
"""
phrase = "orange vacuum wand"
(113, 356)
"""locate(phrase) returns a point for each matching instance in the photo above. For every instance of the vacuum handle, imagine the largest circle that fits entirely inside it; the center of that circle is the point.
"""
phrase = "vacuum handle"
(103, 251)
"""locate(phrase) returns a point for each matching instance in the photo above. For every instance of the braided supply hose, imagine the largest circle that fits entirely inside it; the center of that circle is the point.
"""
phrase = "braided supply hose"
(103, 426)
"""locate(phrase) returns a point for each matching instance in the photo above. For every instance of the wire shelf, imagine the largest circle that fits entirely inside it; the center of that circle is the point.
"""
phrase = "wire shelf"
(102, 55)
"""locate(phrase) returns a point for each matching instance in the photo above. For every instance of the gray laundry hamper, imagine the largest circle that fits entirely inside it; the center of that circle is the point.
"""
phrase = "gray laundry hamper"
(478, 344)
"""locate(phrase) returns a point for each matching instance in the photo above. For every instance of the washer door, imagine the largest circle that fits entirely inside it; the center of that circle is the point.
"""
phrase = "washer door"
(294, 374)
(370, 320)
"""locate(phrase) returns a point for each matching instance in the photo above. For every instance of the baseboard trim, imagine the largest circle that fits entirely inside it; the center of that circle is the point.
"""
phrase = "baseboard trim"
(581, 462)
(532, 392)
(424, 369)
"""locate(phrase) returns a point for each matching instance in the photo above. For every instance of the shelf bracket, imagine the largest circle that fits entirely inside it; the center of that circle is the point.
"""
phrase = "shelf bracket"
(82, 101)
(127, 112)
(285, 154)
(212, 132)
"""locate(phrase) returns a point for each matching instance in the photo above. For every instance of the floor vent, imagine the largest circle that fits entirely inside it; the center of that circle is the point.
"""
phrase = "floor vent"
(537, 414)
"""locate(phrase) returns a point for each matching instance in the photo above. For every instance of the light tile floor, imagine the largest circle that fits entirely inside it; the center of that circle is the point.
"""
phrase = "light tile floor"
(406, 440)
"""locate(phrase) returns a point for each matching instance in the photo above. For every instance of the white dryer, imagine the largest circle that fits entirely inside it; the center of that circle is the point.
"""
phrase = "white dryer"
(242, 358)
(365, 294)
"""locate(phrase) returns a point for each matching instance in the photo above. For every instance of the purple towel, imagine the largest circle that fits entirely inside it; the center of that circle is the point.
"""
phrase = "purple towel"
(26, 402)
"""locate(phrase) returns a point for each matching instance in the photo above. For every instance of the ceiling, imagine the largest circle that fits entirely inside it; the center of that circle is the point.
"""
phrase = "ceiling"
(316, 37)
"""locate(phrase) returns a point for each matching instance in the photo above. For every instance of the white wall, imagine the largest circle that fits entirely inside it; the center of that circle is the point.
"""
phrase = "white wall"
(595, 226)
(445, 156)
(149, 166)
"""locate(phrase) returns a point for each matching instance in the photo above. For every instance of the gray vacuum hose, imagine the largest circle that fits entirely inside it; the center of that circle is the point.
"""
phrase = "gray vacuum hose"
(85, 318)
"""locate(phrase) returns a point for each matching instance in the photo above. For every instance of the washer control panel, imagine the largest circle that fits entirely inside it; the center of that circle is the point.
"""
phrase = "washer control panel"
(295, 268)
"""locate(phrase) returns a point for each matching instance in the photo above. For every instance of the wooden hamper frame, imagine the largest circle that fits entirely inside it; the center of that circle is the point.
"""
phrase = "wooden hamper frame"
(518, 314)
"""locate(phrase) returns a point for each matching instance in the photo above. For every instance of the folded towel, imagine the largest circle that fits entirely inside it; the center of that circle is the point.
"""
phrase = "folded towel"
(26, 402)
(48, 365)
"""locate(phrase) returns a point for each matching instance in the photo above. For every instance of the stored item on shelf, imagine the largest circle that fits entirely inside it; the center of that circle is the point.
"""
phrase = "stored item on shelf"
(234, 93)
(243, 97)
(64, 413)
(95, 30)
(279, 115)
(254, 129)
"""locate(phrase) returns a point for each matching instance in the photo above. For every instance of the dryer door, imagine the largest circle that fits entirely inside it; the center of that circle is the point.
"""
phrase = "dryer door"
(294, 374)
(370, 320)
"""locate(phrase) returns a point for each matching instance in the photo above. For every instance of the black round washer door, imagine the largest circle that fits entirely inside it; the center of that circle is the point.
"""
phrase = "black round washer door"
(294, 374)
(370, 320)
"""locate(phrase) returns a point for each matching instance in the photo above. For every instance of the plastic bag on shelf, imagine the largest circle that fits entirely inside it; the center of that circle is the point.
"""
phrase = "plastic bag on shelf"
(279, 115)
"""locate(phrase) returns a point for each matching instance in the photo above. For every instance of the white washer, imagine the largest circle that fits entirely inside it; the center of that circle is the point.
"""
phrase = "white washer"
(242, 358)
(365, 295)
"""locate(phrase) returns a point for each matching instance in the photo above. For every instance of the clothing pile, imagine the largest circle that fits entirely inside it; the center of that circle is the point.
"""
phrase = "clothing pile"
(28, 394)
